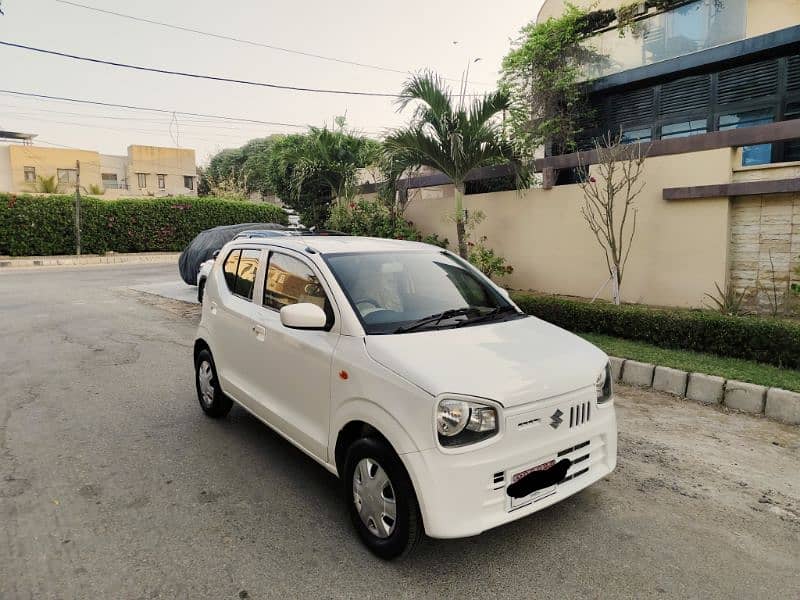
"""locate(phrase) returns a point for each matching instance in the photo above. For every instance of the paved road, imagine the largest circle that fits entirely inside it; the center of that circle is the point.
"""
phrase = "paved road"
(113, 484)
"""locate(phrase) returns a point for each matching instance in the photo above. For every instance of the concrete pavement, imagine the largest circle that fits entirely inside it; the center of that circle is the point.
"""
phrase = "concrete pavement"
(114, 485)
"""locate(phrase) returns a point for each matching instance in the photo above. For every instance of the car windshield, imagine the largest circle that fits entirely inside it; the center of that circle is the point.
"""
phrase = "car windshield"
(399, 292)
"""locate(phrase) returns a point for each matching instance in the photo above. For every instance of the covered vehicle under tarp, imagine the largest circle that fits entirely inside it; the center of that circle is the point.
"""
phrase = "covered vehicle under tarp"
(203, 246)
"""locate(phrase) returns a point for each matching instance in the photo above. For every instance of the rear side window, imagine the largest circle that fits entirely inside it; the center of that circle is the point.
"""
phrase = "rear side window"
(241, 267)
(246, 273)
(231, 264)
(290, 281)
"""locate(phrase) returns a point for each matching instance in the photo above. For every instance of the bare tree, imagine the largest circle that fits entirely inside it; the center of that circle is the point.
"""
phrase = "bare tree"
(609, 191)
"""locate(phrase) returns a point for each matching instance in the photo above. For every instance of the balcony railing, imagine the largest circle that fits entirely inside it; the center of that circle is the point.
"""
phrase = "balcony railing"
(689, 28)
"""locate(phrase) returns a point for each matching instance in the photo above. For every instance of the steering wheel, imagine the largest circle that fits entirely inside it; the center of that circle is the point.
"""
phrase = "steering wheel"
(367, 305)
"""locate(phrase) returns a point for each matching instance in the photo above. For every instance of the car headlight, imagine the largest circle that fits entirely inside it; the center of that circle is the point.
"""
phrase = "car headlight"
(604, 385)
(460, 422)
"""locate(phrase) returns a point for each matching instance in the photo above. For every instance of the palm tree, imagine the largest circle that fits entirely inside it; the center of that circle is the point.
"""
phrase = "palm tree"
(452, 137)
(46, 185)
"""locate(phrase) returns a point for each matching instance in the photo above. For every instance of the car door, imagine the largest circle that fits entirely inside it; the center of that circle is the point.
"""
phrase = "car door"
(236, 324)
(294, 382)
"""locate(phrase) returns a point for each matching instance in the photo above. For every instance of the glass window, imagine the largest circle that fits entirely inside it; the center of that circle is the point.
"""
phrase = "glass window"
(246, 273)
(30, 174)
(162, 183)
(392, 290)
(109, 180)
(630, 136)
(791, 149)
(67, 176)
(142, 177)
(188, 182)
(684, 129)
(760, 154)
(230, 268)
(290, 281)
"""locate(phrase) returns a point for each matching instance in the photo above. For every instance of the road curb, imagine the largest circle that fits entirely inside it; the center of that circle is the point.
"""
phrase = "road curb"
(91, 259)
(774, 403)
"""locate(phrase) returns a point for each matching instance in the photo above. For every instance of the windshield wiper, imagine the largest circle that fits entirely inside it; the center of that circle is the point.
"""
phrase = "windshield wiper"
(489, 316)
(435, 319)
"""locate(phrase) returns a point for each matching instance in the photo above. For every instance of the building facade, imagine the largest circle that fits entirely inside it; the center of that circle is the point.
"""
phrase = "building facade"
(712, 89)
(143, 171)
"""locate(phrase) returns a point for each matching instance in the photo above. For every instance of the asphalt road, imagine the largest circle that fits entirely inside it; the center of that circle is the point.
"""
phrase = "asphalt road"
(114, 485)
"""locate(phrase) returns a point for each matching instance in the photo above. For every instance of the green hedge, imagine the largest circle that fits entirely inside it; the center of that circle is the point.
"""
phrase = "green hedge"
(771, 341)
(44, 225)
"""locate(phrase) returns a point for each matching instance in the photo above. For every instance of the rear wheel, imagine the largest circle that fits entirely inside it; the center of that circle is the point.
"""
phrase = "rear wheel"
(380, 499)
(213, 402)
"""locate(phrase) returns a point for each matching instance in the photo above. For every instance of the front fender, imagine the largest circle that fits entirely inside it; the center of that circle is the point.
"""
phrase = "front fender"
(367, 411)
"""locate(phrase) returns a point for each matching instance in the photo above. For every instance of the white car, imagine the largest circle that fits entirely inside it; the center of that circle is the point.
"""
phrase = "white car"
(202, 276)
(403, 370)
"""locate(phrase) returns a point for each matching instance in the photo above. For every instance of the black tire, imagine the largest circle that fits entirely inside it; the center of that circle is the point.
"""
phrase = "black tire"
(408, 528)
(201, 286)
(218, 405)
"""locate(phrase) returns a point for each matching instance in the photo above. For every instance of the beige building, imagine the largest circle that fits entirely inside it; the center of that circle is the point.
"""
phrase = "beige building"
(715, 96)
(143, 171)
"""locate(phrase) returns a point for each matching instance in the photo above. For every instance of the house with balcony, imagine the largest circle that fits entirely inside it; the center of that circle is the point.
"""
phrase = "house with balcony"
(711, 91)
(144, 171)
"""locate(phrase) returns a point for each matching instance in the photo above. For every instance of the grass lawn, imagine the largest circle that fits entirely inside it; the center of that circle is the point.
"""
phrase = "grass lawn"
(729, 368)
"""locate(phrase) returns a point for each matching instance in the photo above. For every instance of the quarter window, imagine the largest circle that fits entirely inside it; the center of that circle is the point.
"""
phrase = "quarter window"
(30, 174)
(290, 281)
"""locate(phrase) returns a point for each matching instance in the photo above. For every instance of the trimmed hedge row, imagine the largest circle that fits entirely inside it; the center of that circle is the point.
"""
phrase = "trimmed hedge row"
(763, 340)
(44, 225)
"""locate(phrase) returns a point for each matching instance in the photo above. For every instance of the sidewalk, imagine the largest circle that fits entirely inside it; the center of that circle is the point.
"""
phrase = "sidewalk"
(89, 259)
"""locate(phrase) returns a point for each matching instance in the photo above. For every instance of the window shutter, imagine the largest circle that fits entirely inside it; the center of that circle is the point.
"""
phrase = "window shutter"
(748, 82)
(793, 74)
(631, 108)
(686, 95)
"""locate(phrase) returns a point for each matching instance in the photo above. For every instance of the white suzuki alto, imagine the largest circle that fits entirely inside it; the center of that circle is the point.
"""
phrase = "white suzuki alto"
(403, 370)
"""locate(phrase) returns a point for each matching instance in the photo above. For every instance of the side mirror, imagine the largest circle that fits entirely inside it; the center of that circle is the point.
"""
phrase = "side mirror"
(303, 315)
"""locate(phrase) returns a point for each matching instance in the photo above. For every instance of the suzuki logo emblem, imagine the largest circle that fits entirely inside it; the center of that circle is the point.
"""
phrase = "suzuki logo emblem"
(556, 419)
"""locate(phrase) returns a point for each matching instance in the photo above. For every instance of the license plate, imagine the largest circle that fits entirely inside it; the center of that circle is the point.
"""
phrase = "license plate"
(533, 496)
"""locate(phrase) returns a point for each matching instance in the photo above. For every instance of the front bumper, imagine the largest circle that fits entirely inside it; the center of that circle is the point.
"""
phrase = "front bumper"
(465, 494)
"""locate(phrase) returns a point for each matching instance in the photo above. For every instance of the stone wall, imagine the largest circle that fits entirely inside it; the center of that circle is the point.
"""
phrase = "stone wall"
(764, 249)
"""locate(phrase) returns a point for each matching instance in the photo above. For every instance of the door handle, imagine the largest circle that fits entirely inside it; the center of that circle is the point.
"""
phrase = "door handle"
(213, 307)
(260, 332)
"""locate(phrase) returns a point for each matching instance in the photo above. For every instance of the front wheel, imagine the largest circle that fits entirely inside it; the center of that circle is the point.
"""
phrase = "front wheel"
(213, 402)
(380, 499)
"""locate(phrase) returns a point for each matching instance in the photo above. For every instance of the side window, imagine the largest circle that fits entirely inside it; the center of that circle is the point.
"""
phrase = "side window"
(231, 265)
(246, 273)
(290, 281)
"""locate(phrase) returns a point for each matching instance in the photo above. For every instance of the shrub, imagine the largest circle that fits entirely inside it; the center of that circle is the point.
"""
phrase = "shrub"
(31, 226)
(373, 219)
(487, 260)
(770, 341)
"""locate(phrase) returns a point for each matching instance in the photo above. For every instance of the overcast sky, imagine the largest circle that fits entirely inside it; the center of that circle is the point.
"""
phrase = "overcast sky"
(402, 36)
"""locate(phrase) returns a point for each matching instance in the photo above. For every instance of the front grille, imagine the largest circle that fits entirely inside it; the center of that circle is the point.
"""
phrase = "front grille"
(580, 414)
(581, 458)
(498, 480)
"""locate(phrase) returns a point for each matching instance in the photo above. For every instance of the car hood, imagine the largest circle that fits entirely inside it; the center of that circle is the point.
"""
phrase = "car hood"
(512, 362)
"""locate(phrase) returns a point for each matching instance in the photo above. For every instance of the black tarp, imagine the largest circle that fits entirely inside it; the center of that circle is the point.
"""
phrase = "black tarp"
(207, 242)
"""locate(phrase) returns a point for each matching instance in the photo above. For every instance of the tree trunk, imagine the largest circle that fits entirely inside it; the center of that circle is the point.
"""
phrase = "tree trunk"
(461, 229)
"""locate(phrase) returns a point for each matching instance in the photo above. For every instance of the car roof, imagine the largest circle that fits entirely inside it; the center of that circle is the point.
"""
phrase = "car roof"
(340, 244)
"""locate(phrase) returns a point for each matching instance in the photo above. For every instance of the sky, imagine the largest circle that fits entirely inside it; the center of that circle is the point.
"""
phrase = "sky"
(443, 35)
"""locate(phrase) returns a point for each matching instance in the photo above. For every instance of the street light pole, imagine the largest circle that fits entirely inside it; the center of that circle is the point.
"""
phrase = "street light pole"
(78, 207)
